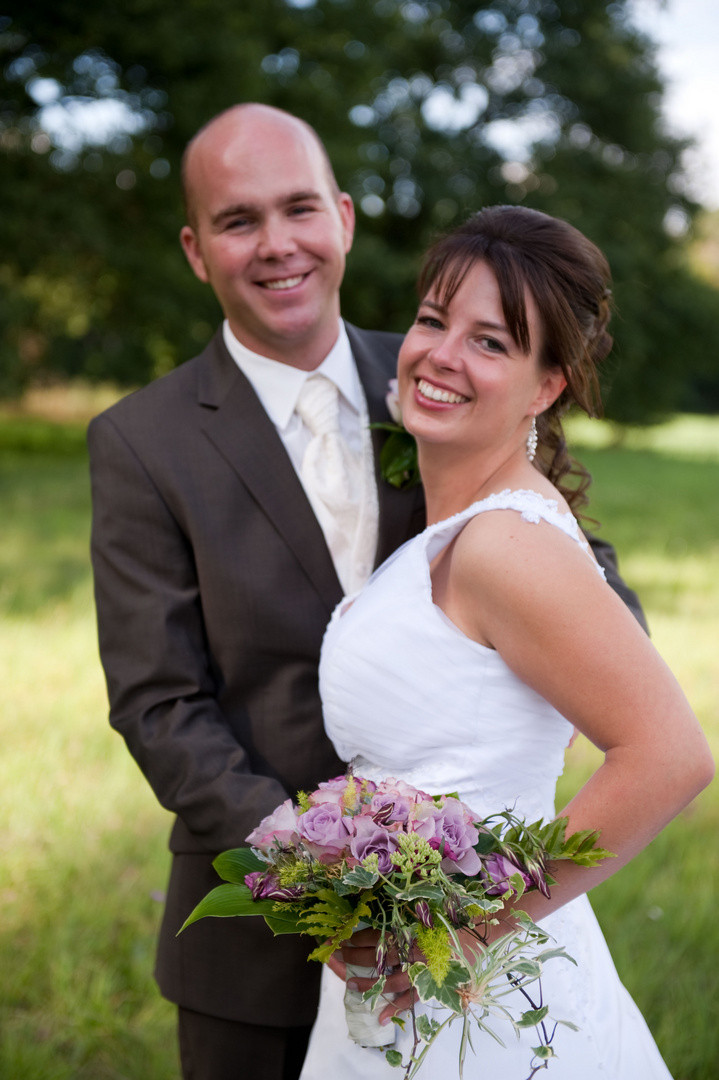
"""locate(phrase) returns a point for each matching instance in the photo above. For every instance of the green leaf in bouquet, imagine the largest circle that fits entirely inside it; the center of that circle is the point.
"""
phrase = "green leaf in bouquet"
(448, 993)
(226, 900)
(544, 1052)
(517, 884)
(553, 954)
(531, 968)
(394, 1058)
(375, 991)
(426, 1028)
(534, 932)
(421, 891)
(532, 1017)
(485, 906)
(567, 1023)
(235, 864)
(332, 920)
(487, 843)
(284, 922)
(356, 880)
(582, 848)
(551, 836)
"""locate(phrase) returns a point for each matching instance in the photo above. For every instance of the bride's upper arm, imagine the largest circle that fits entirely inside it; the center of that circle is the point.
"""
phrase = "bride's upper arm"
(532, 592)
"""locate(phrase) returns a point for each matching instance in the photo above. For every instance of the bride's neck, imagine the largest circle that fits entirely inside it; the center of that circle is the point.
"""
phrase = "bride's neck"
(452, 481)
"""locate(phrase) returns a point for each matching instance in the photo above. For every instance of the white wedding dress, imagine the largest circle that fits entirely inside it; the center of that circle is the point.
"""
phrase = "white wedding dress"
(407, 694)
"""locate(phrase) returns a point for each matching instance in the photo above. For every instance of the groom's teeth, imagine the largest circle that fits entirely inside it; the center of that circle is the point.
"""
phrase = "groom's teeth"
(435, 394)
(283, 283)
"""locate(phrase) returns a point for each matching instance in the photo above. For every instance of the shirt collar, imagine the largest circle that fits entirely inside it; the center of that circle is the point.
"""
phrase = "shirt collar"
(278, 385)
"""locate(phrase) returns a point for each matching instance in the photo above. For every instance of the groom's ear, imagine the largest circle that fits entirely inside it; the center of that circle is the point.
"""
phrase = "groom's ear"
(193, 253)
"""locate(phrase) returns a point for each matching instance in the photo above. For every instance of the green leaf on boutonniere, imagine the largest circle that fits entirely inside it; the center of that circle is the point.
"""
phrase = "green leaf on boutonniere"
(398, 456)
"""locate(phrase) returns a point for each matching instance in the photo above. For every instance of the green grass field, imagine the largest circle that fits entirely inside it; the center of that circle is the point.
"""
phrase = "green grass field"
(83, 860)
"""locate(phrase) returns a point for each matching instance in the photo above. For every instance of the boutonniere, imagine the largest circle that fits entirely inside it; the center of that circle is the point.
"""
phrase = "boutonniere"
(398, 456)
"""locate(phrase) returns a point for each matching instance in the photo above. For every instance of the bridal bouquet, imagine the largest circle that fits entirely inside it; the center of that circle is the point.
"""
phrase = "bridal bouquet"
(418, 869)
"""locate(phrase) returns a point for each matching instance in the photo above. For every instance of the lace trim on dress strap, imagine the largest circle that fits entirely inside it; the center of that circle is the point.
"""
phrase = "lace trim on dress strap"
(532, 506)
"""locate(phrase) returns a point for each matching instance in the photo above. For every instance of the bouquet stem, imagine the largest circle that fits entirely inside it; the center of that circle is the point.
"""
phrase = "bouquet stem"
(363, 1016)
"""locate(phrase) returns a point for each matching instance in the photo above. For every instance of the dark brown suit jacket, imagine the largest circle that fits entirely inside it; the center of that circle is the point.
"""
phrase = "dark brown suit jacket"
(214, 586)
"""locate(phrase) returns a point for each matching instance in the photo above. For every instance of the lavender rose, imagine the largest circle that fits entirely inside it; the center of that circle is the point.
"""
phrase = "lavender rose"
(449, 829)
(326, 832)
(498, 869)
(390, 806)
(279, 827)
(330, 791)
(372, 839)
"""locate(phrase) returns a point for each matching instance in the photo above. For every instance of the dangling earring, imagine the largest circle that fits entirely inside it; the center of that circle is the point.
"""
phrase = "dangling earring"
(532, 440)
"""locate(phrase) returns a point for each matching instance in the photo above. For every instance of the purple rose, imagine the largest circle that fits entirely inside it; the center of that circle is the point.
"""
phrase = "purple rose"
(326, 832)
(390, 806)
(498, 869)
(264, 885)
(372, 839)
(279, 827)
(329, 791)
(392, 786)
(449, 829)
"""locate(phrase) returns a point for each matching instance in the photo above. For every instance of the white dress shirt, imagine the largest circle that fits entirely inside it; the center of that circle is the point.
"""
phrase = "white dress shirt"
(278, 386)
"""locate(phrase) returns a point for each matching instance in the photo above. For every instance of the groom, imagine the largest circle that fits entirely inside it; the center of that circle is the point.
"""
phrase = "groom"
(214, 579)
(218, 560)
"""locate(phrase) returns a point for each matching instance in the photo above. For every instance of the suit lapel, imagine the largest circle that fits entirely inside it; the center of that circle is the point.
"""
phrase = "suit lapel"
(235, 422)
(397, 509)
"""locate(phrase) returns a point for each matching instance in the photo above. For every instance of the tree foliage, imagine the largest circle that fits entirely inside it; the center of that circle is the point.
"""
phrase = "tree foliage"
(429, 109)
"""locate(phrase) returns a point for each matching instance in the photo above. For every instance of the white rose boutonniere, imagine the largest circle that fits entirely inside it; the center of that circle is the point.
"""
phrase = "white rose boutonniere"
(392, 401)
(398, 456)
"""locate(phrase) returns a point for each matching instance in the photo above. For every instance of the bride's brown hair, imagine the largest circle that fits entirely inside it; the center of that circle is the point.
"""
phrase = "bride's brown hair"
(569, 279)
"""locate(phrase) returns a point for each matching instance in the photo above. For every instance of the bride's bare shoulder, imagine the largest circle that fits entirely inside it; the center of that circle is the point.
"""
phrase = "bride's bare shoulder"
(517, 542)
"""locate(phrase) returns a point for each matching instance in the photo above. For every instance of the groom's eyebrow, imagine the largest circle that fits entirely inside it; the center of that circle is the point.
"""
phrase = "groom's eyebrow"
(254, 209)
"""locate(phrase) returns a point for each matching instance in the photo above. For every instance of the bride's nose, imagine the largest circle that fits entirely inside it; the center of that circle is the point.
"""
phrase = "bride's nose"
(446, 354)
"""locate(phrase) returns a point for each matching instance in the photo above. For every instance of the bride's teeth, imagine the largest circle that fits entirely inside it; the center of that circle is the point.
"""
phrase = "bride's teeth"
(435, 394)
(283, 283)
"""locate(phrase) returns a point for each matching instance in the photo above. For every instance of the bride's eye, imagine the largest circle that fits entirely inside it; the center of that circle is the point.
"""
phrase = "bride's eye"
(492, 344)
(430, 321)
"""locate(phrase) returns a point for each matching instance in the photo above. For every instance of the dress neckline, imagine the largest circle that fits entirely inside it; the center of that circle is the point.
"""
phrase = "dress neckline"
(506, 499)
(533, 507)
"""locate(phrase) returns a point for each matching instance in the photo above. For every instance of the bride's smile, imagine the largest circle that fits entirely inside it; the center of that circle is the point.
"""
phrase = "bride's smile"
(437, 394)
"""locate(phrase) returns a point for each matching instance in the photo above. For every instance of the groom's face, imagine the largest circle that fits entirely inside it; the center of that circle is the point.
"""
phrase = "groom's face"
(269, 232)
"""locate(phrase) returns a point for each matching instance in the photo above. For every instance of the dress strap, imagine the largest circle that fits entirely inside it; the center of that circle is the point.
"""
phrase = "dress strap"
(532, 506)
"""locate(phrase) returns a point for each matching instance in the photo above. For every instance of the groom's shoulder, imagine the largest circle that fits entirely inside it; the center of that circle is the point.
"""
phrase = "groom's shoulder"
(171, 394)
(381, 345)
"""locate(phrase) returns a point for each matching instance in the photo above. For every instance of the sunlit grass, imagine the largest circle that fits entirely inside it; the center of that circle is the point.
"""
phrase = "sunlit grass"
(83, 858)
(82, 848)
(655, 493)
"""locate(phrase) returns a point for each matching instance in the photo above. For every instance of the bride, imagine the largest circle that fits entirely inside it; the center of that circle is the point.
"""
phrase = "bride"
(471, 655)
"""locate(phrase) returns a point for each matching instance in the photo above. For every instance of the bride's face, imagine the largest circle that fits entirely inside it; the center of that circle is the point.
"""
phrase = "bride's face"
(463, 377)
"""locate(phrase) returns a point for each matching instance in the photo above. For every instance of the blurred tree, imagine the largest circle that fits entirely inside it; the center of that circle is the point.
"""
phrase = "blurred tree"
(701, 393)
(429, 109)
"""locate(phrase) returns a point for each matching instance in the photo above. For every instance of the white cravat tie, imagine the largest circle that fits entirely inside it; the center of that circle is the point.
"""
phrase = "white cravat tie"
(331, 474)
